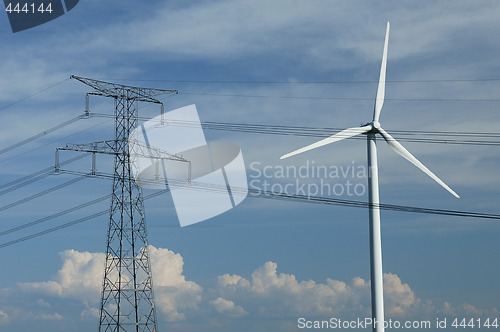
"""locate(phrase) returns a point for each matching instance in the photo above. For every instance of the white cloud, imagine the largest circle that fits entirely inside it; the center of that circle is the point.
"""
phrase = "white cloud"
(92, 313)
(232, 280)
(398, 296)
(173, 293)
(228, 307)
(218, 29)
(265, 294)
(4, 317)
(42, 303)
(465, 310)
(270, 293)
(324, 34)
(80, 277)
(54, 316)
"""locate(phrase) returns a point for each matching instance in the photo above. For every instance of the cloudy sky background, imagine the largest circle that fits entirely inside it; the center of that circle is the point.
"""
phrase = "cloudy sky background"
(266, 263)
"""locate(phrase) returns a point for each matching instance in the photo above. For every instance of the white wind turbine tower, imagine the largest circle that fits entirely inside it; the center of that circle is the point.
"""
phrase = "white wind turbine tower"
(371, 129)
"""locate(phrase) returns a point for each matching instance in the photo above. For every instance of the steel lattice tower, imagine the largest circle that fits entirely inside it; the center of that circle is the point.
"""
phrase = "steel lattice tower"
(127, 302)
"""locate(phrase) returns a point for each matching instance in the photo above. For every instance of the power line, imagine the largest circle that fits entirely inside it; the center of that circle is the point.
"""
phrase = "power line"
(28, 179)
(16, 184)
(262, 82)
(264, 129)
(42, 193)
(286, 130)
(67, 211)
(337, 98)
(53, 216)
(278, 196)
(450, 137)
(53, 229)
(391, 207)
(33, 94)
(308, 198)
(64, 124)
(71, 223)
(304, 82)
(332, 129)
(53, 141)
(43, 133)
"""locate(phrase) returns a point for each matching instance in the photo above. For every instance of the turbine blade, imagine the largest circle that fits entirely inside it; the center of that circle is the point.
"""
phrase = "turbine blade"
(396, 146)
(379, 101)
(347, 133)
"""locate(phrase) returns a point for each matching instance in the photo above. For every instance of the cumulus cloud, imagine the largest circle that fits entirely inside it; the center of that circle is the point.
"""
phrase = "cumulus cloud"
(80, 277)
(228, 307)
(399, 297)
(266, 293)
(173, 293)
(92, 313)
(466, 309)
(271, 293)
(54, 316)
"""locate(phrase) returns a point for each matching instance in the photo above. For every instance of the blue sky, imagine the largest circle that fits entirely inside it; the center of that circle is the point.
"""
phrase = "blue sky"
(264, 264)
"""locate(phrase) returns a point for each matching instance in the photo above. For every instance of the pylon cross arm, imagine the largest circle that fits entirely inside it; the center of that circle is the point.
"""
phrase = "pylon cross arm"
(142, 150)
(139, 150)
(106, 147)
(108, 89)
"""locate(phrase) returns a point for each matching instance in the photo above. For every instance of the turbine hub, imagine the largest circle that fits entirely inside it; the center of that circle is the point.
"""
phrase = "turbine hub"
(376, 124)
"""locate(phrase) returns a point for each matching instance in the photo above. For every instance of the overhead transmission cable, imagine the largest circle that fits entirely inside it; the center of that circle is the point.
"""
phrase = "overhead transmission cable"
(306, 198)
(271, 195)
(71, 223)
(43, 133)
(36, 176)
(57, 140)
(252, 128)
(42, 193)
(53, 229)
(53, 216)
(446, 137)
(450, 137)
(302, 82)
(336, 98)
(321, 82)
(33, 94)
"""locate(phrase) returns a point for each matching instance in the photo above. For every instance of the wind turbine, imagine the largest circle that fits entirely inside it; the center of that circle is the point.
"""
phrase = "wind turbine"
(371, 129)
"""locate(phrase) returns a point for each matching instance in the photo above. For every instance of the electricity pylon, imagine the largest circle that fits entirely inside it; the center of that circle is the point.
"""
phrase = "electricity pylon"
(127, 302)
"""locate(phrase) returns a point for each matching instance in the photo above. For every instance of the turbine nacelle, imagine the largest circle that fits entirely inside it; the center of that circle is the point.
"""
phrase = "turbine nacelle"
(373, 126)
